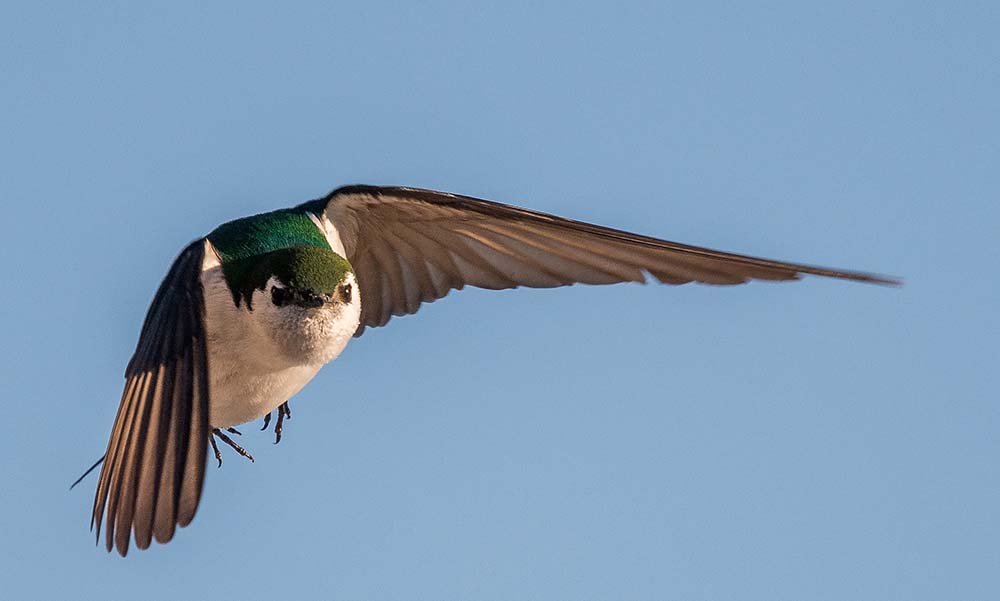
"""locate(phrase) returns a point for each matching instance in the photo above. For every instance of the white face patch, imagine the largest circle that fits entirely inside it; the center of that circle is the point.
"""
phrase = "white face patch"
(305, 335)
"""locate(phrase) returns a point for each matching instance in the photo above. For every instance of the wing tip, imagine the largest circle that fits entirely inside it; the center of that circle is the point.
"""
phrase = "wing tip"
(887, 281)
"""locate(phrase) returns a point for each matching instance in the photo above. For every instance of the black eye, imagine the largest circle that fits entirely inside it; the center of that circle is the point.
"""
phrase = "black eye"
(279, 296)
(345, 293)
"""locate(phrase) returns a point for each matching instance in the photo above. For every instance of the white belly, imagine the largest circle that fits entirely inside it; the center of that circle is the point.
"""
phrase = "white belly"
(238, 397)
(256, 361)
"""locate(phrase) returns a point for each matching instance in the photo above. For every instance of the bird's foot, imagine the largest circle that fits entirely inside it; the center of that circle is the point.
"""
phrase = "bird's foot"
(284, 411)
(229, 441)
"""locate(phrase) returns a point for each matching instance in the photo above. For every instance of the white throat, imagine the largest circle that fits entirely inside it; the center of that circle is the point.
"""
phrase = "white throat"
(260, 358)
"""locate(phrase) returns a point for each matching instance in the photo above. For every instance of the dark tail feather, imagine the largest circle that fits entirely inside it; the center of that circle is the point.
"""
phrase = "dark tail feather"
(80, 479)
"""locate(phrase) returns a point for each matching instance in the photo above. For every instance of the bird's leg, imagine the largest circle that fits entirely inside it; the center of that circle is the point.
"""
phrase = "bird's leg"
(284, 412)
(229, 441)
(215, 447)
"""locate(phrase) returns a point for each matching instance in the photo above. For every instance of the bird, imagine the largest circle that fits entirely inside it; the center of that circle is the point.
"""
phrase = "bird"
(248, 314)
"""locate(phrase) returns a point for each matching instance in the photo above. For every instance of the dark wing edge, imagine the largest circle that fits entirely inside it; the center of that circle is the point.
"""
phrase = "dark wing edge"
(410, 246)
(152, 477)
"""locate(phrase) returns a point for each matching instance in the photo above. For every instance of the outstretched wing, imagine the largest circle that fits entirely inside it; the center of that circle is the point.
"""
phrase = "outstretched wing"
(154, 468)
(410, 246)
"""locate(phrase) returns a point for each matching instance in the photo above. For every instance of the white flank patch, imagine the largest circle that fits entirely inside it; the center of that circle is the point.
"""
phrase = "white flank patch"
(330, 231)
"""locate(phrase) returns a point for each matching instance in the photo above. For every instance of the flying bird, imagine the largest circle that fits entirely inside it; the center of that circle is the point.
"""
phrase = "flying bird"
(248, 314)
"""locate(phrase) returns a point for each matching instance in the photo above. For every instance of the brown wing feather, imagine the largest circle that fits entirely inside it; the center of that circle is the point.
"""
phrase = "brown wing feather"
(154, 469)
(409, 246)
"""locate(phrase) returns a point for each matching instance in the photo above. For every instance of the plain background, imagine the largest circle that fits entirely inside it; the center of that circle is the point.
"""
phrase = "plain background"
(809, 440)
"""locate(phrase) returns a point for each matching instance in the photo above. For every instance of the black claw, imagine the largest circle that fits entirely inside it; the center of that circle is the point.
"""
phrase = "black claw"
(215, 447)
(234, 431)
(231, 443)
(277, 426)
(284, 412)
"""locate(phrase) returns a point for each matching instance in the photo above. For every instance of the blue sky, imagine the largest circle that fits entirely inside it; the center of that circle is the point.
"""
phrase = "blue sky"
(810, 440)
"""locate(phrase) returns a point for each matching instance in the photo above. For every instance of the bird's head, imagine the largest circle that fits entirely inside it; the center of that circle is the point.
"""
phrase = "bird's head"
(308, 278)
(305, 298)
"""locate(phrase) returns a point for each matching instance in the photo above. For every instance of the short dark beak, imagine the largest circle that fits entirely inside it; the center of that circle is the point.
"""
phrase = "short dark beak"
(310, 299)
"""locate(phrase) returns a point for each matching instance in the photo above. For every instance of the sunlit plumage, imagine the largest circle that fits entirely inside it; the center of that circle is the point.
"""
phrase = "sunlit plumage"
(247, 315)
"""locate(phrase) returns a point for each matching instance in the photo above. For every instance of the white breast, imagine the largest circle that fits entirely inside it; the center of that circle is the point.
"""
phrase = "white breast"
(259, 359)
